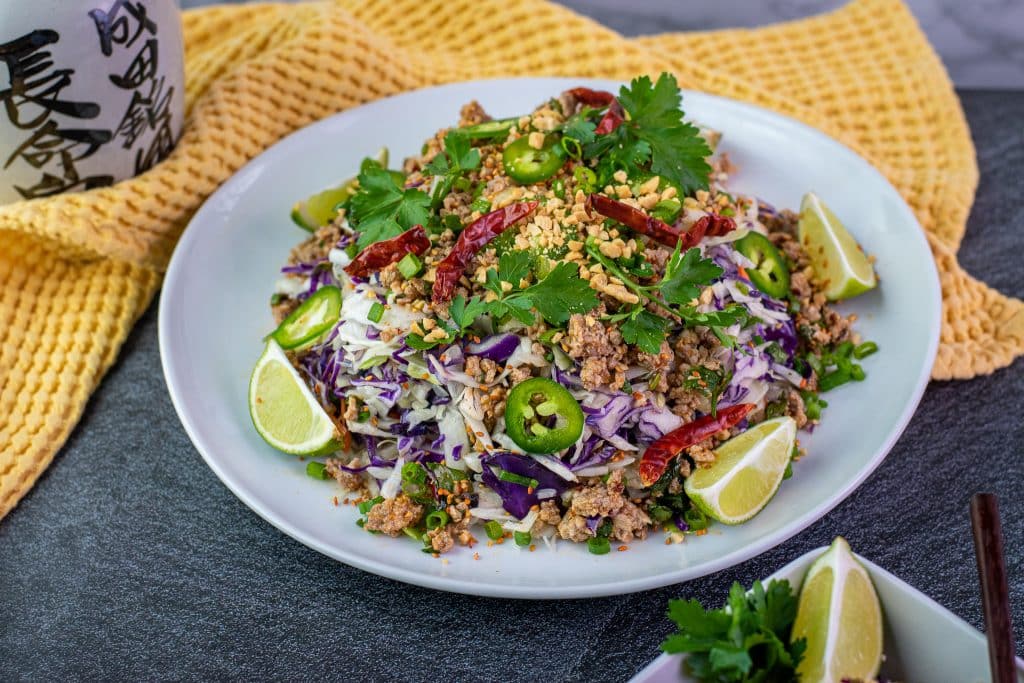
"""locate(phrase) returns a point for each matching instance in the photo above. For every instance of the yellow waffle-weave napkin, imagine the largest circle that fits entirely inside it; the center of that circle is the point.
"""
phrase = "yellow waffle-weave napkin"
(77, 270)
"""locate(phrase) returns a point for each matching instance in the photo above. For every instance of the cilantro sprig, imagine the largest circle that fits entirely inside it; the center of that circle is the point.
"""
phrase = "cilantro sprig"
(746, 640)
(457, 158)
(685, 275)
(555, 297)
(382, 208)
(654, 132)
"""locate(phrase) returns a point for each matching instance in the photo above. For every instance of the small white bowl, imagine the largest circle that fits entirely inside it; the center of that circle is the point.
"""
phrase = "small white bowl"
(923, 640)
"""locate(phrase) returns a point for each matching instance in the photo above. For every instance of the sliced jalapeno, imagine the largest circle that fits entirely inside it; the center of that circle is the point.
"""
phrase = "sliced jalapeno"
(313, 317)
(527, 165)
(770, 274)
(541, 416)
(489, 130)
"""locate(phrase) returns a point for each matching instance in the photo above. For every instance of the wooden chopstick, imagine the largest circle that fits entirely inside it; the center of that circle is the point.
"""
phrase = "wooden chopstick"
(995, 594)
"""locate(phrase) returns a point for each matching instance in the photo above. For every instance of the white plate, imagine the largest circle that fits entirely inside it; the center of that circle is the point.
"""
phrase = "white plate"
(923, 641)
(214, 311)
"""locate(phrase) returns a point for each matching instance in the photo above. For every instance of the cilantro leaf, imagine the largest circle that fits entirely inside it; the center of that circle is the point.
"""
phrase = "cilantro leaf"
(678, 152)
(463, 314)
(381, 209)
(580, 127)
(513, 266)
(645, 330)
(748, 640)
(562, 293)
(685, 274)
(449, 165)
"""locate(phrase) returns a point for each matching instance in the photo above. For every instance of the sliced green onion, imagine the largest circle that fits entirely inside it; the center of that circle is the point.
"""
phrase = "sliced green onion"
(695, 519)
(558, 188)
(376, 312)
(857, 373)
(493, 530)
(512, 477)
(366, 505)
(844, 350)
(481, 205)
(833, 379)
(585, 178)
(452, 222)
(317, 470)
(864, 350)
(522, 538)
(659, 513)
(437, 519)
(572, 147)
(410, 266)
(599, 546)
(413, 473)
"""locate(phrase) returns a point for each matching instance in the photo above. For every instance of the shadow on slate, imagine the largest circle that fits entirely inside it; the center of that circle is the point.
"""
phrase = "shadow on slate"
(130, 560)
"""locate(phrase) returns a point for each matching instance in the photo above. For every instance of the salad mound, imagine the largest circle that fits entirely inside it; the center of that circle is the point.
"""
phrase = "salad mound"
(541, 326)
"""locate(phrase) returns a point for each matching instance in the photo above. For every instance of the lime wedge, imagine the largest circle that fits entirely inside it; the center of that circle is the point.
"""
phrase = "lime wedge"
(838, 261)
(841, 619)
(284, 410)
(746, 473)
(320, 209)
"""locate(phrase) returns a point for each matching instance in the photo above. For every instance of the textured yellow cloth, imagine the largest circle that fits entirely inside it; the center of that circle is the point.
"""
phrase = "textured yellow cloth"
(77, 270)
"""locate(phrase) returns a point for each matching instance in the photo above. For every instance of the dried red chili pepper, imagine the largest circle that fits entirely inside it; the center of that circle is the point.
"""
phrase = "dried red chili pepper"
(379, 255)
(593, 98)
(711, 225)
(612, 118)
(473, 238)
(659, 454)
(719, 225)
(636, 219)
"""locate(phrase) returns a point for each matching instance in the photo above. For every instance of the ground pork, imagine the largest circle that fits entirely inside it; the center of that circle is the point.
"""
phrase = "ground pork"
(795, 408)
(392, 515)
(628, 522)
(548, 516)
(601, 350)
(316, 247)
(573, 527)
(472, 114)
(348, 480)
(659, 364)
(601, 499)
(283, 309)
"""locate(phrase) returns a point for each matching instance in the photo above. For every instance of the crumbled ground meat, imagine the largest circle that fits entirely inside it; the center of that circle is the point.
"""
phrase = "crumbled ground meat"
(283, 309)
(483, 370)
(441, 539)
(601, 350)
(548, 516)
(703, 453)
(659, 364)
(348, 480)
(795, 408)
(317, 246)
(392, 515)
(472, 114)
(601, 499)
(573, 527)
(628, 522)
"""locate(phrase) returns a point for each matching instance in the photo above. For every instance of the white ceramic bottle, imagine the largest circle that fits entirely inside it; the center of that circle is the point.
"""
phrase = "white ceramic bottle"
(91, 92)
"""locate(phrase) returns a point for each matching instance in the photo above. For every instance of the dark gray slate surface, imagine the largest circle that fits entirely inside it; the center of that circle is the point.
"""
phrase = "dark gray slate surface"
(130, 560)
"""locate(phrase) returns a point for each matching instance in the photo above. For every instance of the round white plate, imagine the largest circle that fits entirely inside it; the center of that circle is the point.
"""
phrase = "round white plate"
(214, 311)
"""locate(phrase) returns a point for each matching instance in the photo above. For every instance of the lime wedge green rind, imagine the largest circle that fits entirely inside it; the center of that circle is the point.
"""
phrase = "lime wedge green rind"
(839, 263)
(746, 474)
(841, 619)
(284, 410)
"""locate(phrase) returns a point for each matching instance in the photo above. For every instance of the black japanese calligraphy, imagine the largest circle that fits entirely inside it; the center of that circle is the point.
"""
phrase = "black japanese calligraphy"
(122, 24)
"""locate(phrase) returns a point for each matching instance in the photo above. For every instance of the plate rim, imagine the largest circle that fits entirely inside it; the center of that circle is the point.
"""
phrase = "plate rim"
(494, 589)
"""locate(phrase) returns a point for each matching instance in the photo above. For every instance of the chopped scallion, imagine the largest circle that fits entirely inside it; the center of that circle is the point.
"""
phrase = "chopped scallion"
(410, 266)
(864, 350)
(512, 477)
(493, 530)
(599, 546)
(376, 312)
(317, 470)
(522, 538)
(437, 519)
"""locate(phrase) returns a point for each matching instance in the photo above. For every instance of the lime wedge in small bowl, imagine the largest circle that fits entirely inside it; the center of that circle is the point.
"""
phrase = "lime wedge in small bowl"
(746, 473)
(841, 618)
(283, 409)
(838, 261)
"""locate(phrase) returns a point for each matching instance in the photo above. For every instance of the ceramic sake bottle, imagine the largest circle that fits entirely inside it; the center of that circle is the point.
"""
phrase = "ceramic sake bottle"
(91, 92)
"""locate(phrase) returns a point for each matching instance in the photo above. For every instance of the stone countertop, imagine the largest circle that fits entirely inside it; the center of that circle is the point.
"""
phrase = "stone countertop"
(130, 560)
